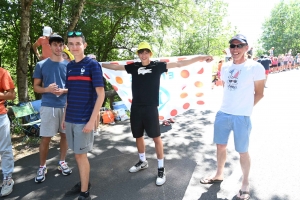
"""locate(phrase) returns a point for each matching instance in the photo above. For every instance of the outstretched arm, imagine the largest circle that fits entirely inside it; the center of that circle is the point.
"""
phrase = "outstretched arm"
(113, 66)
(183, 63)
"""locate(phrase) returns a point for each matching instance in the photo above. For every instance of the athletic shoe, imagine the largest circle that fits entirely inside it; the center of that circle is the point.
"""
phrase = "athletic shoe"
(161, 176)
(76, 189)
(41, 175)
(64, 168)
(7, 187)
(84, 198)
(139, 166)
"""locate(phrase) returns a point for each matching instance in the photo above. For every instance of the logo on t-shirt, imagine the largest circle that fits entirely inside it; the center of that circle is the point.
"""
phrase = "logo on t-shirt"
(233, 78)
(82, 70)
(143, 70)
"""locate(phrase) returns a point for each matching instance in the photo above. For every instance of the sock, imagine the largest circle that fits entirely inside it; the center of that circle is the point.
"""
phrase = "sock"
(160, 163)
(42, 166)
(61, 161)
(85, 194)
(142, 156)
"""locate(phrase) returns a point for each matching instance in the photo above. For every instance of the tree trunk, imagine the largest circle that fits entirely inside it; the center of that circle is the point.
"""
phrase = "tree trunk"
(23, 51)
(77, 10)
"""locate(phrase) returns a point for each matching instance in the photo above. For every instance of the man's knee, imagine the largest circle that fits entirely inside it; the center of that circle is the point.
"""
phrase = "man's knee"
(221, 147)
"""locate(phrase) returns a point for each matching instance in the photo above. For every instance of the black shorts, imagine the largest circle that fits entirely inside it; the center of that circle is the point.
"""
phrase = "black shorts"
(144, 118)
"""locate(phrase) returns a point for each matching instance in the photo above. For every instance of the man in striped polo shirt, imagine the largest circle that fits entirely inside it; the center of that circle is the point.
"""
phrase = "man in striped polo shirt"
(85, 98)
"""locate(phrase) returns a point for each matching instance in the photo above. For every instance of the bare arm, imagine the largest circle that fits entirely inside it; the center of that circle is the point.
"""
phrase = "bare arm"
(35, 49)
(52, 88)
(259, 90)
(90, 125)
(8, 95)
(183, 63)
(113, 66)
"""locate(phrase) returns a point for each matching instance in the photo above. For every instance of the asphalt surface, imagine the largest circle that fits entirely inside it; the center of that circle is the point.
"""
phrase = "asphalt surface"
(189, 156)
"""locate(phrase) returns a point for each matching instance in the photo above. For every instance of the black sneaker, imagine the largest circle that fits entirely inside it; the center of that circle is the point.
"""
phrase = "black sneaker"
(76, 189)
(84, 198)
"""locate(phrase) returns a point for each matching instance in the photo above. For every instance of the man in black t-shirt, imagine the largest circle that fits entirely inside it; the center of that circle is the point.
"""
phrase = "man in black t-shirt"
(145, 92)
(266, 62)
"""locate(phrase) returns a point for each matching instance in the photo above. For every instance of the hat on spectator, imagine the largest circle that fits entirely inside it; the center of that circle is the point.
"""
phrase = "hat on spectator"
(56, 38)
(69, 54)
(240, 38)
(144, 45)
(47, 31)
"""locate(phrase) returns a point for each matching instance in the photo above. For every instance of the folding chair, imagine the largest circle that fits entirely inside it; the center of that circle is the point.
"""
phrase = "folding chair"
(23, 120)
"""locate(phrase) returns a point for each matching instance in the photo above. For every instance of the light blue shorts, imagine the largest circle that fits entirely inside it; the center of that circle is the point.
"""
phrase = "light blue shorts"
(241, 127)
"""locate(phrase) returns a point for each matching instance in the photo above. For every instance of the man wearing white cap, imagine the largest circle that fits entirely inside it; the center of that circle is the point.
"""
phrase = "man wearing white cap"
(144, 114)
(44, 42)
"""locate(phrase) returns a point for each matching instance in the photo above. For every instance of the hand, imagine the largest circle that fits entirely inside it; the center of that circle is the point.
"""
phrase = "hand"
(59, 92)
(52, 88)
(89, 127)
(208, 59)
(63, 125)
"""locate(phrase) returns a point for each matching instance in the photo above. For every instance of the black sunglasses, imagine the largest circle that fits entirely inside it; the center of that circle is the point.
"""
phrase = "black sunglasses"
(239, 46)
(75, 34)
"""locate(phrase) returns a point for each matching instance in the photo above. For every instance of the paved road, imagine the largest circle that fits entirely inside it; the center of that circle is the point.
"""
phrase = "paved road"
(189, 154)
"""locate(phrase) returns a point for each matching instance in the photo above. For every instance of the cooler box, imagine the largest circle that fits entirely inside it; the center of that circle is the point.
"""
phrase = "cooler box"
(119, 105)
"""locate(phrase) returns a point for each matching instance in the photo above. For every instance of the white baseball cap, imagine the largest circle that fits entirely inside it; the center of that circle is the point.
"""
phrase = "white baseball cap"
(47, 31)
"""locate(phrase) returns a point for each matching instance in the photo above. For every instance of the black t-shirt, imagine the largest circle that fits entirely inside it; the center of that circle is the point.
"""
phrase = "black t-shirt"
(146, 82)
(265, 62)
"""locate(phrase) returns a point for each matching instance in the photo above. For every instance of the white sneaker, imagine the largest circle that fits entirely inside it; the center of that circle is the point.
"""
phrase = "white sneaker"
(7, 187)
(161, 176)
(139, 166)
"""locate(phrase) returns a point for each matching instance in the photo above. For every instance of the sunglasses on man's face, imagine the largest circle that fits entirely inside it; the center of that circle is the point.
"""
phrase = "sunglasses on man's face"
(239, 46)
(75, 34)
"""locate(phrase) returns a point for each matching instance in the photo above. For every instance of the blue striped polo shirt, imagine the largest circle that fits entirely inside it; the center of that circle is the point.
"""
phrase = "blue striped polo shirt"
(82, 79)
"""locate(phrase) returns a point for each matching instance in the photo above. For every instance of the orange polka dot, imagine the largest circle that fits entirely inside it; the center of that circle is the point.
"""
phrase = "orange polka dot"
(129, 62)
(183, 95)
(106, 76)
(130, 100)
(173, 112)
(200, 102)
(186, 106)
(161, 118)
(115, 88)
(199, 94)
(181, 58)
(119, 80)
(201, 71)
(185, 74)
(198, 84)
(164, 60)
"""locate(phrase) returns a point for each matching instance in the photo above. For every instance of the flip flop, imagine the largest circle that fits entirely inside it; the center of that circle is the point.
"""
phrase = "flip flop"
(210, 181)
(242, 193)
(166, 123)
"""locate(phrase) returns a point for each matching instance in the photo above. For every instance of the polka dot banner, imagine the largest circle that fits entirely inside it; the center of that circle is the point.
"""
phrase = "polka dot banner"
(181, 89)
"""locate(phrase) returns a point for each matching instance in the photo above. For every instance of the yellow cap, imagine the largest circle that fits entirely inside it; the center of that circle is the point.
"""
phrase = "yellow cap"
(69, 54)
(144, 45)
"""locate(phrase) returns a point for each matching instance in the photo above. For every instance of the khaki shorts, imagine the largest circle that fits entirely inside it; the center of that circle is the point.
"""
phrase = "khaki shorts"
(79, 141)
(51, 121)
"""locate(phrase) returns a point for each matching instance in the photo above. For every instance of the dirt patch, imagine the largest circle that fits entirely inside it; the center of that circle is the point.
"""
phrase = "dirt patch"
(24, 146)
